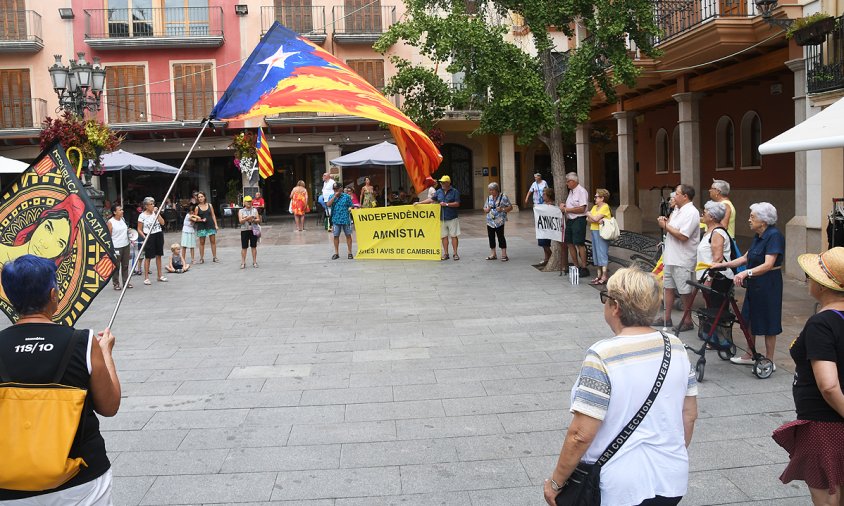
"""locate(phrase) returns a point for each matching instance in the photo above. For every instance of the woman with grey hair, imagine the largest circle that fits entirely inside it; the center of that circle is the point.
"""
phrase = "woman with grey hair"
(149, 226)
(714, 246)
(763, 278)
(496, 209)
(617, 374)
(719, 192)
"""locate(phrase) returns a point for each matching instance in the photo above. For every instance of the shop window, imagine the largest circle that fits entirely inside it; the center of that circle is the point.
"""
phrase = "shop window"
(661, 151)
(725, 144)
(751, 138)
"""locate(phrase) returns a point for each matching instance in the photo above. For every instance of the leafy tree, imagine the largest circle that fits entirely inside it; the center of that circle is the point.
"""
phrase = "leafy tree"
(536, 94)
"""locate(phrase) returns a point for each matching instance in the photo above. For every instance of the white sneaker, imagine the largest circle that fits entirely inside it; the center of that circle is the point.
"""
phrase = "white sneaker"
(162, 279)
(742, 361)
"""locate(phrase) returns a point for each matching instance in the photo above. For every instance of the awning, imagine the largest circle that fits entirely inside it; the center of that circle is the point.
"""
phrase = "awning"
(124, 160)
(385, 153)
(824, 130)
(11, 166)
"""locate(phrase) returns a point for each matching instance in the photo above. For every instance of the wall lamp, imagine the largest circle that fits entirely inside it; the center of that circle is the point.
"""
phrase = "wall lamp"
(241, 9)
(66, 13)
(766, 10)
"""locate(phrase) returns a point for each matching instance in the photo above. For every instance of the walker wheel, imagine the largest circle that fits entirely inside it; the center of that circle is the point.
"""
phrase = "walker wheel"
(763, 368)
(727, 354)
(699, 368)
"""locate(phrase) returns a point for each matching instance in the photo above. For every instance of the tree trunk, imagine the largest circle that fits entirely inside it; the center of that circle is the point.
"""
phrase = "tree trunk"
(554, 141)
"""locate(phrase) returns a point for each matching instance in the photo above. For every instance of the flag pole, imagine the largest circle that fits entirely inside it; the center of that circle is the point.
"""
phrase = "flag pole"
(205, 123)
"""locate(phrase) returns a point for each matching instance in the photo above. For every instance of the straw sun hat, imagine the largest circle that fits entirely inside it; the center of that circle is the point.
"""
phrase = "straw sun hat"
(827, 268)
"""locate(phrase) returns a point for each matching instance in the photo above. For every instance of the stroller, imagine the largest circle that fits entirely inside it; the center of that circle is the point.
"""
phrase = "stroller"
(135, 251)
(715, 324)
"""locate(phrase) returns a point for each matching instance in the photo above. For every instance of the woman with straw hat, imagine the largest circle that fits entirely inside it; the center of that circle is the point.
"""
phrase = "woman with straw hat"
(815, 441)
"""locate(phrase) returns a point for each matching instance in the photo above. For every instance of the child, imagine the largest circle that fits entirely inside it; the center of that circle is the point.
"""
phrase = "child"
(176, 264)
(189, 232)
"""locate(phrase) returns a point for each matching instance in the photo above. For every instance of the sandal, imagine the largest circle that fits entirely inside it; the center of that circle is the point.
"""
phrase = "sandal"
(162, 279)
(335, 256)
(255, 264)
(444, 257)
(596, 281)
(202, 260)
(147, 282)
(505, 259)
(456, 257)
(116, 287)
(242, 266)
(216, 260)
(350, 256)
(129, 286)
(493, 257)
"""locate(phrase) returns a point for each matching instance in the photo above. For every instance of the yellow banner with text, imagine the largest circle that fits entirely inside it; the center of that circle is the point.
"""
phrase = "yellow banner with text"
(398, 232)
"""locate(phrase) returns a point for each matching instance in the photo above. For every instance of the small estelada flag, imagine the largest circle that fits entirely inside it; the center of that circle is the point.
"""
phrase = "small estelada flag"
(48, 213)
(265, 159)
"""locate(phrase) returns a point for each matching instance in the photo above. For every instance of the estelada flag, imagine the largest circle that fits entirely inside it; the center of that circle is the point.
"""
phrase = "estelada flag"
(265, 159)
(287, 73)
(48, 213)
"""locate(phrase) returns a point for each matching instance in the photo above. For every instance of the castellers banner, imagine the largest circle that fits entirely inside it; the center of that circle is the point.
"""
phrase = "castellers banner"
(548, 221)
(398, 232)
(47, 213)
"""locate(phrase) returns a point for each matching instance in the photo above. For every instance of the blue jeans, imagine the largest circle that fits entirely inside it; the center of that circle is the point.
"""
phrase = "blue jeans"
(600, 250)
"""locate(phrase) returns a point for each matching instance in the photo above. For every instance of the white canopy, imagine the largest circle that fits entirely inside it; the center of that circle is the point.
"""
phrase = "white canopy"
(124, 160)
(11, 166)
(824, 130)
(385, 153)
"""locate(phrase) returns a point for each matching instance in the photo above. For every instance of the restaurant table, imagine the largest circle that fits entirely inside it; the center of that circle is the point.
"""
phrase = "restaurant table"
(230, 212)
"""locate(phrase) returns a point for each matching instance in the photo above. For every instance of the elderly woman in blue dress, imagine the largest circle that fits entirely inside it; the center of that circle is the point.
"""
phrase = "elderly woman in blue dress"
(762, 306)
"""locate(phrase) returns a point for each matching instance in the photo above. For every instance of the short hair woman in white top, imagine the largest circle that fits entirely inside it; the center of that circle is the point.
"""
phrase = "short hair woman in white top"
(149, 226)
(617, 375)
(119, 231)
(714, 246)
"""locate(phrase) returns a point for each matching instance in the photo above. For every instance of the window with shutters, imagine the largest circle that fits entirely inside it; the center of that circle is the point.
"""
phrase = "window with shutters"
(126, 95)
(296, 15)
(371, 70)
(12, 20)
(363, 16)
(193, 90)
(15, 99)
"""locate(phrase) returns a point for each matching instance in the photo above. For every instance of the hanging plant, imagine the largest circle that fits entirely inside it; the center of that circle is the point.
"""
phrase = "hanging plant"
(811, 30)
(245, 153)
(437, 136)
(91, 137)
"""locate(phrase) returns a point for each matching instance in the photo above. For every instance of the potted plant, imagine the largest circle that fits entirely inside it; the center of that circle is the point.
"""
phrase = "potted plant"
(811, 30)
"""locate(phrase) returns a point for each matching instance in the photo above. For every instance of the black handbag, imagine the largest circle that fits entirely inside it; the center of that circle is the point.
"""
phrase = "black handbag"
(583, 488)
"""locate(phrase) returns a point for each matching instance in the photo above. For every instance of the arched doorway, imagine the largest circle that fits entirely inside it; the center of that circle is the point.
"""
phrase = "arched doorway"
(457, 163)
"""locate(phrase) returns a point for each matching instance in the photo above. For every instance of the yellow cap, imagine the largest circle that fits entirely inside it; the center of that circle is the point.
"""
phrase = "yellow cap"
(445, 179)
(247, 199)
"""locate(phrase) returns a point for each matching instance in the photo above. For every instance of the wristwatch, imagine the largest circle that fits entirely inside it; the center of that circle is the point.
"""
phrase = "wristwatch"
(749, 273)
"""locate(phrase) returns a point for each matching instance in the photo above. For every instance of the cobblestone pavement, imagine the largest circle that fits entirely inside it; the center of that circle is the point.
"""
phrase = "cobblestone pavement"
(316, 382)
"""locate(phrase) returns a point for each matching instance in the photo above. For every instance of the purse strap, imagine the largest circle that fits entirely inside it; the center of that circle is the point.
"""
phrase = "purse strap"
(634, 422)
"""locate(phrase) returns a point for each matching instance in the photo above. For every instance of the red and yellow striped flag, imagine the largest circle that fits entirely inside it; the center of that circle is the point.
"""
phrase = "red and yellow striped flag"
(265, 159)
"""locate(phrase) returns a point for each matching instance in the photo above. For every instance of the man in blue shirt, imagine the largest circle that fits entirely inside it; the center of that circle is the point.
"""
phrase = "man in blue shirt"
(536, 189)
(341, 219)
(449, 200)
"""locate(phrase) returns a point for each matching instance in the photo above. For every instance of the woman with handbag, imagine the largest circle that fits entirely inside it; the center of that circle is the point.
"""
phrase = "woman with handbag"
(496, 209)
(626, 444)
(600, 246)
(813, 441)
(250, 231)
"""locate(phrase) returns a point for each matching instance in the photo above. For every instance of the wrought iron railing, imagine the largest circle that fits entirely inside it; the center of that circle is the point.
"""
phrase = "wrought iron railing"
(22, 112)
(122, 107)
(463, 100)
(674, 17)
(20, 25)
(178, 22)
(302, 19)
(825, 62)
(369, 19)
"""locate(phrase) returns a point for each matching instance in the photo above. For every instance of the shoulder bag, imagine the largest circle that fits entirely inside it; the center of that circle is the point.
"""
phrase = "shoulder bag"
(609, 230)
(38, 428)
(583, 488)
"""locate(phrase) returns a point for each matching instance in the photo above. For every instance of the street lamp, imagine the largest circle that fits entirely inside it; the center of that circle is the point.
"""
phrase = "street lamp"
(766, 9)
(79, 86)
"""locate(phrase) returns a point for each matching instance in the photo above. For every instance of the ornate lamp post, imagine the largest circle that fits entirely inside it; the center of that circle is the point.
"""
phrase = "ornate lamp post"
(79, 86)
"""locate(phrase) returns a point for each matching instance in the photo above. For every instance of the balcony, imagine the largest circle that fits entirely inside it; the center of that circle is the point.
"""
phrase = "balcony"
(306, 20)
(21, 117)
(154, 111)
(313, 118)
(20, 32)
(464, 103)
(145, 28)
(362, 25)
(675, 17)
(825, 62)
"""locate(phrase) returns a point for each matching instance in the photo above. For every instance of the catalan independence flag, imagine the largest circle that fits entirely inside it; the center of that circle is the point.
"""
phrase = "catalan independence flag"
(287, 73)
(265, 160)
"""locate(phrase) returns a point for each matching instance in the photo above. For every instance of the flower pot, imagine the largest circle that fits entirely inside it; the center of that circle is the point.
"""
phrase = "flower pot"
(815, 33)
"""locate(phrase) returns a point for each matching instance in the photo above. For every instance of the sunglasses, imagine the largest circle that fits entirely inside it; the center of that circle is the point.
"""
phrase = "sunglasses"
(605, 297)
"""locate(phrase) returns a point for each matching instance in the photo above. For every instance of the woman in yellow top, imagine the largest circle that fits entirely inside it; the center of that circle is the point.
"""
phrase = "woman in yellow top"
(600, 246)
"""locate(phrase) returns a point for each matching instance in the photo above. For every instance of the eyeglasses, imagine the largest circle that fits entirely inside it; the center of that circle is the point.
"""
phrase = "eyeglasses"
(605, 296)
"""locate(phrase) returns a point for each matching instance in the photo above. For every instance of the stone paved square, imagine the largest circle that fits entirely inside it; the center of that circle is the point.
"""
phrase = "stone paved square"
(313, 382)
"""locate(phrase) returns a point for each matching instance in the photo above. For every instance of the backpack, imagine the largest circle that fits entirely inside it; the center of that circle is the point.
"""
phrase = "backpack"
(38, 426)
(734, 249)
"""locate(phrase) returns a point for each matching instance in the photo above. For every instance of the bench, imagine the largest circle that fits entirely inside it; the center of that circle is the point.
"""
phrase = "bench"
(631, 248)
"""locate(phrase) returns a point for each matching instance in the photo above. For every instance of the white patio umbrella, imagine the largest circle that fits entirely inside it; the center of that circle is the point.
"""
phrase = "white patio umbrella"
(12, 166)
(824, 130)
(123, 160)
(386, 154)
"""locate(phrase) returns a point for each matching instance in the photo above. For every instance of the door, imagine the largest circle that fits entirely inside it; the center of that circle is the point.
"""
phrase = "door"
(457, 164)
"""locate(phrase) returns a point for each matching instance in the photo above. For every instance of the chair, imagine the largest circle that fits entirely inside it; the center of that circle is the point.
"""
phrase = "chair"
(171, 219)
